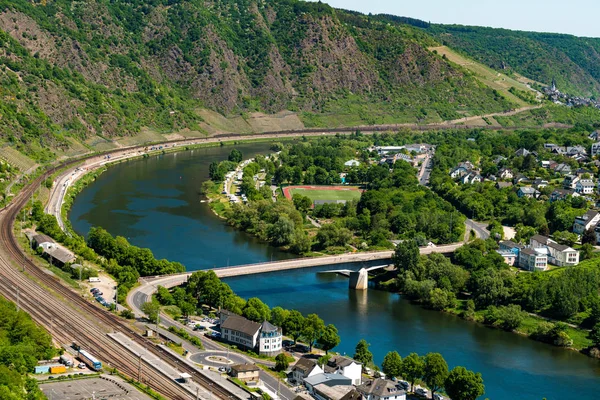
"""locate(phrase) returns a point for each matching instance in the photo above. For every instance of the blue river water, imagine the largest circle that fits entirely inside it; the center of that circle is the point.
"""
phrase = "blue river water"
(155, 203)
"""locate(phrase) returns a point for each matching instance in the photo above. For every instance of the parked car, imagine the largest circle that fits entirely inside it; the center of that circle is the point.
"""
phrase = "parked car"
(92, 290)
(422, 391)
(438, 396)
(81, 366)
(404, 384)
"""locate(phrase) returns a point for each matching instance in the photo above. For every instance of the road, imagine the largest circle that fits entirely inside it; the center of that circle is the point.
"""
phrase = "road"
(215, 349)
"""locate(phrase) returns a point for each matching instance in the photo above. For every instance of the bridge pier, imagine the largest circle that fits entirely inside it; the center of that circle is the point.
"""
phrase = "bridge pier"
(359, 280)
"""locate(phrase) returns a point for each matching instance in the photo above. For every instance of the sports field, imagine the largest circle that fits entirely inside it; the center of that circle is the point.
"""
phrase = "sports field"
(331, 193)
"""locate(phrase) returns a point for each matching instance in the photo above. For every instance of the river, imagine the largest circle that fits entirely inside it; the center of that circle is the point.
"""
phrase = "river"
(155, 203)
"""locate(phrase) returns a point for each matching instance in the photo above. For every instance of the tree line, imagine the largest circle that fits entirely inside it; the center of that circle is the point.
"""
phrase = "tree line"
(22, 345)
(458, 383)
(478, 276)
(204, 288)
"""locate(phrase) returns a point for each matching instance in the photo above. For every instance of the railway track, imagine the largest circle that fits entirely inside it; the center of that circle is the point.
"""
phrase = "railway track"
(72, 317)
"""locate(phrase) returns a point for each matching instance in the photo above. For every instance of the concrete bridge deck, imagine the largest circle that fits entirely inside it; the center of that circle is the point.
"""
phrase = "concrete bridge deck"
(142, 293)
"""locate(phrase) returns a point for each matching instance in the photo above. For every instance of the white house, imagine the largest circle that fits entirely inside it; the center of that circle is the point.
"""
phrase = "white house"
(558, 254)
(533, 259)
(381, 389)
(344, 366)
(264, 338)
(471, 178)
(527, 191)
(352, 163)
(589, 220)
(270, 339)
(585, 186)
(304, 368)
(505, 173)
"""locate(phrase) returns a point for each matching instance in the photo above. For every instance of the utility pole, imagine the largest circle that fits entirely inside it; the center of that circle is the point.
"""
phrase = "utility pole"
(117, 298)
(197, 393)
(18, 299)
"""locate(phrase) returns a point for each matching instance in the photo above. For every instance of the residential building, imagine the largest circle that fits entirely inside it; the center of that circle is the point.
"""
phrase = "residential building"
(352, 163)
(589, 220)
(247, 373)
(522, 153)
(263, 338)
(509, 245)
(498, 159)
(345, 366)
(558, 254)
(528, 191)
(509, 257)
(563, 194)
(570, 181)
(539, 183)
(471, 178)
(585, 186)
(595, 150)
(519, 179)
(270, 339)
(381, 389)
(503, 185)
(505, 173)
(563, 169)
(304, 368)
(533, 259)
(461, 169)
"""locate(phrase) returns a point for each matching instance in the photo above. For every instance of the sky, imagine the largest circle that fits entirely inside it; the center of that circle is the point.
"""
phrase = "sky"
(577, 17)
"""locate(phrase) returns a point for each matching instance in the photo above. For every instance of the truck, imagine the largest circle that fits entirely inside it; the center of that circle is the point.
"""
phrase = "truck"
(66, 361)
(58, 369)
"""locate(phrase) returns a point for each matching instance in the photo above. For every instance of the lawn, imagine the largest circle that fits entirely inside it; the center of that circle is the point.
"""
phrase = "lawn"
(335, 193)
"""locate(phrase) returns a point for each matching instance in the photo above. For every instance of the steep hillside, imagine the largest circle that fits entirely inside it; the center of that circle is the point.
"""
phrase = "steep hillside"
(574, 62)
(106, 68)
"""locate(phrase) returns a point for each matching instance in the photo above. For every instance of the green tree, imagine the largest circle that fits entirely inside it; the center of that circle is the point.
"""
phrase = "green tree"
(293, 325)
(235, 156)
(362, 354)
(595, 335)
(302, 203)
(256, 310)
(406, 257)
(588, 237)
(282, 232)
(413, 367)
(330, 338)
(313, 329)
(151, 309)
(435, 372)
(279, 315)
(281, 362)
(463, 384)
(440, 299)
(392, 365)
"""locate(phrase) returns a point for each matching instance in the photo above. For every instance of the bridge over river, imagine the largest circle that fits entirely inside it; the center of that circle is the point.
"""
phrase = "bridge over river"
(149, 285)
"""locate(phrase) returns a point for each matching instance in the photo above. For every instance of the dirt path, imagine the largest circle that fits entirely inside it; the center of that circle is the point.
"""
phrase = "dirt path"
(501, 114)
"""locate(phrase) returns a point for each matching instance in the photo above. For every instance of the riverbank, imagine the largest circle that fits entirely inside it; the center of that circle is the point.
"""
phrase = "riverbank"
(532, 326)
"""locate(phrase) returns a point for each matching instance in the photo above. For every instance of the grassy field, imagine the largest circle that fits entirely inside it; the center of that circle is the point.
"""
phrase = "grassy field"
(487, 76)
(344, 193)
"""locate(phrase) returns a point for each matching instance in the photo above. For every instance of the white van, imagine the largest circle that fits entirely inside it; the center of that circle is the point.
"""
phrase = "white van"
(94, 279)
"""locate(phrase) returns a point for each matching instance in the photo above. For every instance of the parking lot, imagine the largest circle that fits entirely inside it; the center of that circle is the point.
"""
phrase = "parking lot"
(106, 286)
(112, 387)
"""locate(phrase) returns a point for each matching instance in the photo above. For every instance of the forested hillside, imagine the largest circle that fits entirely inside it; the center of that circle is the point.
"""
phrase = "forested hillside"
(574, 62)
(107, 68)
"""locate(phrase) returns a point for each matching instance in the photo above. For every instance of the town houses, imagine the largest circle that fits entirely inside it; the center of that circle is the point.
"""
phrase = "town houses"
(536, 256)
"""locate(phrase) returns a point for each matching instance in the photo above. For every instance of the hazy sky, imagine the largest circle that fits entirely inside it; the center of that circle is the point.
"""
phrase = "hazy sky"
(577, 17)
